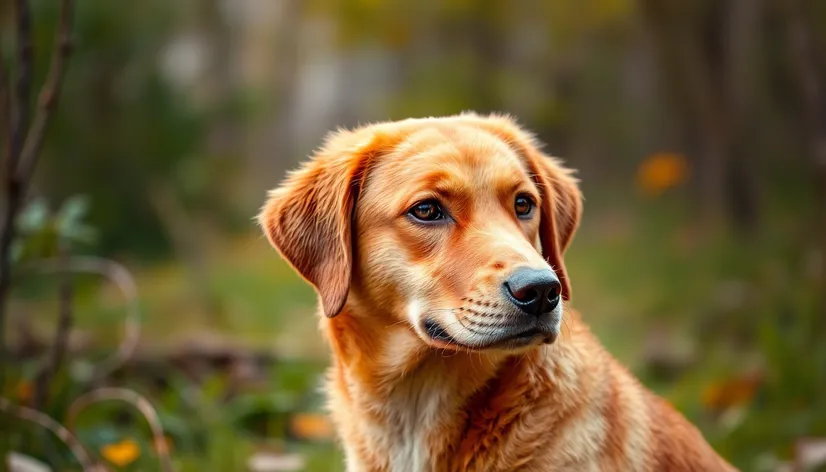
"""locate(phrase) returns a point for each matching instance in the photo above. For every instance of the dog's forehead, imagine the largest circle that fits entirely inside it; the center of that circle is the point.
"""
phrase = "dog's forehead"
(458, 152)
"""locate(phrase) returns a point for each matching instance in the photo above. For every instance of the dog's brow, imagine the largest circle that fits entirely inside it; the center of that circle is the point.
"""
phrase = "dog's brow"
(511, 186)
(441, 182)
(433, 179)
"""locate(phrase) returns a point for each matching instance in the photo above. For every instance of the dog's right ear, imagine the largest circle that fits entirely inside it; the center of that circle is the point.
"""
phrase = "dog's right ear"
(308, 217)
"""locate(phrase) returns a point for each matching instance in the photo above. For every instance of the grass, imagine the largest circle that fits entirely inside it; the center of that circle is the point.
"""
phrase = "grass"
(735, 306)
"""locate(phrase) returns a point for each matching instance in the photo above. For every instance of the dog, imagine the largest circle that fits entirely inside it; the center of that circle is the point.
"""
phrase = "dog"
(435, 246)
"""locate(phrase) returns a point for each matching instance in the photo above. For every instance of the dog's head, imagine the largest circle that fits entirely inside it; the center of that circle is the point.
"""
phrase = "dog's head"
(455, 226)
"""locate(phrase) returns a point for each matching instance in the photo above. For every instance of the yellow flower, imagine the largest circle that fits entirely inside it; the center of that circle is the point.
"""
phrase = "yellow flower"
(662, 171)
(122, 453)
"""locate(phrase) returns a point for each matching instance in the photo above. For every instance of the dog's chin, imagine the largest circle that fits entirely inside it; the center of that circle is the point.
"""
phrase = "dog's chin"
(510, 339)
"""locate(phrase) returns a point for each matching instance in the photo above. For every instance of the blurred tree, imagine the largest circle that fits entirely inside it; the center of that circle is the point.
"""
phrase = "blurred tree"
(122, 124)
(804, 59)
(485, 27)
(706, 54)
(278, 146)
(219, 79)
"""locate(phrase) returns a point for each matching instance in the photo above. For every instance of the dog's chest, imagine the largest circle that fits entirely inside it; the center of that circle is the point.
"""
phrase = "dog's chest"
(414, 415)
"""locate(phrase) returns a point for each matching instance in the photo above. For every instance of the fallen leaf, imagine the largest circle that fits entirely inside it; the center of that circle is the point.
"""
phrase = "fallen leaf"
(311, 426)
(734, 392)
(662, 171)
(24, 391)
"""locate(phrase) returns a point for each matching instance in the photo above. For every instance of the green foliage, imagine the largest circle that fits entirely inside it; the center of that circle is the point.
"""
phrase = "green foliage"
(206, 432)
(121, 125)
(792, 402)
(41, 234)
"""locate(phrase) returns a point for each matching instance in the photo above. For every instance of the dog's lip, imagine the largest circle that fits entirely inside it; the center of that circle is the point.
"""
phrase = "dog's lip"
(527, 336)
(531, 332)
(436, 332)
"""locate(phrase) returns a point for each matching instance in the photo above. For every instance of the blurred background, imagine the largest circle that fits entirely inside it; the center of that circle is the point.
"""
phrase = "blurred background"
(698, 128)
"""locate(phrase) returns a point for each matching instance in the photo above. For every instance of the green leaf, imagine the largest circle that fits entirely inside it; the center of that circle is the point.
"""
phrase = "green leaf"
(74, 209)
(69, 224)
(34, 217)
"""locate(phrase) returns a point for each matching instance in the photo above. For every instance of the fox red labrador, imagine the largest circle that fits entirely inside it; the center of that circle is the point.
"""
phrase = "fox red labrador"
(436, 248)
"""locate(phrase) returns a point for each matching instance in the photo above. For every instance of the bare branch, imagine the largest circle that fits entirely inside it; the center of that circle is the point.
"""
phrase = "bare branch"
(56, 428)
(800, 49)
(136, 400)
(121, 277)
(23, 153)
(23, 91)
(49, 93)
(13, 188)
(804, 60)
(5, 111)
(61, 337)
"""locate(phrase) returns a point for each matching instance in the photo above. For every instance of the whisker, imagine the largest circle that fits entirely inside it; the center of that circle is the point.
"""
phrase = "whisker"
(481, 324)
(519, 361)
(446, 309)
(396, 323)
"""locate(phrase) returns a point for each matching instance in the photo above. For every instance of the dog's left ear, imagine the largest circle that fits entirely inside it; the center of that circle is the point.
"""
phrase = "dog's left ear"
(308, 219)
(561, 212)
(561, 207)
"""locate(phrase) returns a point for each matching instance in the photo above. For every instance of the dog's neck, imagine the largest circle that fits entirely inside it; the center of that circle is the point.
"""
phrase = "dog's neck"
(405, 398)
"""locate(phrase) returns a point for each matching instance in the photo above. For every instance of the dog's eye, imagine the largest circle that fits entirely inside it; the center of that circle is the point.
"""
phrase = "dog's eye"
(523, 206)
(427, 211)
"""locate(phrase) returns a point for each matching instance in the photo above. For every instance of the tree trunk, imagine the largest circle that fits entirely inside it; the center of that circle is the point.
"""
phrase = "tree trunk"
(279, 144)
(814, 120)
(675, 29)
(220, 80)
(708, 65)
(486, 46)
(742, 36)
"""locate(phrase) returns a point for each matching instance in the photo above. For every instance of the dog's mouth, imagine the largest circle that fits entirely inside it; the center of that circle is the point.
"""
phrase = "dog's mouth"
(505, 338)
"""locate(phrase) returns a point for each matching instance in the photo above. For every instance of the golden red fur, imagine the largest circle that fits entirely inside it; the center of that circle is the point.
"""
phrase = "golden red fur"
(407, 231)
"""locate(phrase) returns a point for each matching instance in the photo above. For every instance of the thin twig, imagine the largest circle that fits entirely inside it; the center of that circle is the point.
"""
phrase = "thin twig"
(140, 403)
(13, 187)
(61, 337)
(49, 93)
(46, 421)
(121, 277)
(22, 155)
(5, 111)
(22, 98)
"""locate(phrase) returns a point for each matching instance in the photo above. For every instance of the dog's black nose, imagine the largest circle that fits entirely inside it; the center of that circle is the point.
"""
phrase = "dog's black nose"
(534, 291)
